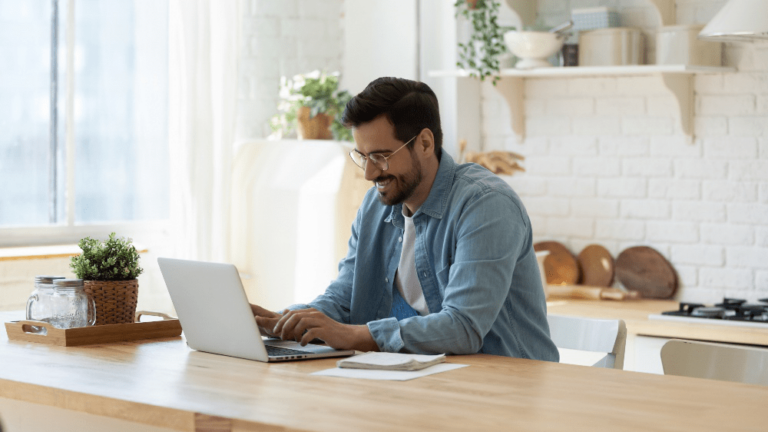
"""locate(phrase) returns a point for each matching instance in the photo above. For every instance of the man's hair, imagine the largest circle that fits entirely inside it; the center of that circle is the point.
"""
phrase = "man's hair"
(409, 105)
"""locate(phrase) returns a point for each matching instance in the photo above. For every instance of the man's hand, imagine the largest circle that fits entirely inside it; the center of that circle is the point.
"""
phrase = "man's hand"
(265, 319)
(305, 325)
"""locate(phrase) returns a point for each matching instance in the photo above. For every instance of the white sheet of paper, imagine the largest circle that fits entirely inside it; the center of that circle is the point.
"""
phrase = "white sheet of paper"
(374, 374)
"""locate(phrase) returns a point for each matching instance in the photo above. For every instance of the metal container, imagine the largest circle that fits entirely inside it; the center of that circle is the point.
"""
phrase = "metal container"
(616, 46)
(679, 44)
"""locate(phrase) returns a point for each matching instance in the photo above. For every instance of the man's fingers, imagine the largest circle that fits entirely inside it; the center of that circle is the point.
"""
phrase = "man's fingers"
(295, 327)
(310, 335)
(286, 332)
(266, 324)
(260, 311)
(281, 322)
(302, 326)
(289, 319)
(272, 320)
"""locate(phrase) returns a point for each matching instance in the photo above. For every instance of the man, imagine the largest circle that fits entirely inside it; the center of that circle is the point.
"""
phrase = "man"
(441, 257)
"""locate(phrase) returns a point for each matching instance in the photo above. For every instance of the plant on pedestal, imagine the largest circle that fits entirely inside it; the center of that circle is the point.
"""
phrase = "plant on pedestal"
(312, 104)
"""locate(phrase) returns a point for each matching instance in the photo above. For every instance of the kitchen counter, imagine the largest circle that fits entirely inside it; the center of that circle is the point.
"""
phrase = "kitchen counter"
(164, 384)
(635, 315)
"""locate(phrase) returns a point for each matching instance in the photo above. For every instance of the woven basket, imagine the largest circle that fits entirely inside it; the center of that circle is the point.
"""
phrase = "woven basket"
(317, 127)
(115, 300)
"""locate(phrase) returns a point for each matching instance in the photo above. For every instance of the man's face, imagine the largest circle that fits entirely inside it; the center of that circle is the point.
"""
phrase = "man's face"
(404, 174)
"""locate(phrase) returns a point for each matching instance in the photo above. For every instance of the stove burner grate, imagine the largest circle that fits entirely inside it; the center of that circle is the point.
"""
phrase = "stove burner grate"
(729, 309)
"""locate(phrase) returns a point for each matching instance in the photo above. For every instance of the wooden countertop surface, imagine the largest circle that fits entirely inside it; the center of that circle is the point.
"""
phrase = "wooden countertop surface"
(164, 383)
(635, 314)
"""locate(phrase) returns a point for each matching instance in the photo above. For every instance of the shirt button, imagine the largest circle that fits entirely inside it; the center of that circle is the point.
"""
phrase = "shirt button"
(386, 280)
(400, 239)
(425, 274)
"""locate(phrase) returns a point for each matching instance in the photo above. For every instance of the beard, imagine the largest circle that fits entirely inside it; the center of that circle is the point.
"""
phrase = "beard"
(404, 185)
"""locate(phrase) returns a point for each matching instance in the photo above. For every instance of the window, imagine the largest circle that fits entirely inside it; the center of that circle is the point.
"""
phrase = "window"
(83, 112)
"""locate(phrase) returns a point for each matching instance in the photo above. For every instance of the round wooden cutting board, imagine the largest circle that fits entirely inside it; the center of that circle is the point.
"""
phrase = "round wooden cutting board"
(596, 266)
(643, 269)
(560, 266)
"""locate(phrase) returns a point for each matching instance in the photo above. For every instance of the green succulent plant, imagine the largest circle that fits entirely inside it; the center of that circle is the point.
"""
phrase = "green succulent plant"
(113, 260)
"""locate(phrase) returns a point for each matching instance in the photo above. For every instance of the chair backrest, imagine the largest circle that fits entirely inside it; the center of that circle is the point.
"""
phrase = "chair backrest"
(715, 361)
(590, 334)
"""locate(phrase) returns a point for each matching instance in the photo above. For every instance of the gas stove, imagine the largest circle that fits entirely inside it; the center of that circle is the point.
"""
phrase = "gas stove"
(734, 312)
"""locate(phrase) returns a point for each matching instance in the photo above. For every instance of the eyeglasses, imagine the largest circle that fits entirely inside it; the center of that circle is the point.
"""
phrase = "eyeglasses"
(381, 162)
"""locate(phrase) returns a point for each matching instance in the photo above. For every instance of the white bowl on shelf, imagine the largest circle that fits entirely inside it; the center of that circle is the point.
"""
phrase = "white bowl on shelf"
(533, 47)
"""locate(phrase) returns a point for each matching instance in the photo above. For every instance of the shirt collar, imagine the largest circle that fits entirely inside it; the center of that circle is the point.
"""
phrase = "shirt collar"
(438, 196)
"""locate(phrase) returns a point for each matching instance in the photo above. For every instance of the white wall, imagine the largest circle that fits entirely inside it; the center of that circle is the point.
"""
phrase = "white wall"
(381, 40)
(283, 38)
(608, 164)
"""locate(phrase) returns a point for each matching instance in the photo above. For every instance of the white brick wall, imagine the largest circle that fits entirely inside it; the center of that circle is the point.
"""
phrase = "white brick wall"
(607, 162)
(283, 38)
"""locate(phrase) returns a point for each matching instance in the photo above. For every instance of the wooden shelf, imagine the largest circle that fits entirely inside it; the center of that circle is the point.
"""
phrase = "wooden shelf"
(678, 79)
(592, 71)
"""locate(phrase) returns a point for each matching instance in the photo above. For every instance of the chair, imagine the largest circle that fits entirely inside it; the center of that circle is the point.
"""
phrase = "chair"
(588, 334)
(715, 361)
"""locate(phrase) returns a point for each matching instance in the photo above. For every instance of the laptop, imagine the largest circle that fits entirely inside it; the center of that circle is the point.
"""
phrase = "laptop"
(216, 317)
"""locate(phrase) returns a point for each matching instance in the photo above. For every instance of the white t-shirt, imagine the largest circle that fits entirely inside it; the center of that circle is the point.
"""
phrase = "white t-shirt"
(406, 279)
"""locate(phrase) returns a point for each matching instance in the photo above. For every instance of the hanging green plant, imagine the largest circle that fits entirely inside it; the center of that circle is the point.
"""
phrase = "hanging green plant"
(480, 55)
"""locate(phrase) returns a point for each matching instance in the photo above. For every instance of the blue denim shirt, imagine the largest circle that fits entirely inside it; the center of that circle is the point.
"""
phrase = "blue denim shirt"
(475, 261)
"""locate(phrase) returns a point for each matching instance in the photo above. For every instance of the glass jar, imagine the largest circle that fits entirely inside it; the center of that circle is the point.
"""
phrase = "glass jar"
(40, 302)
(72, 306)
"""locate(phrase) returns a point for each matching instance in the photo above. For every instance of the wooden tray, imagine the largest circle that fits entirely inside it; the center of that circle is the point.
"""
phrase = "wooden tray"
(50, 335)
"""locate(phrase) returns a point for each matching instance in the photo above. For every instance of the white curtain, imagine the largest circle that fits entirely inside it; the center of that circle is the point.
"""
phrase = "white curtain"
(204, 46)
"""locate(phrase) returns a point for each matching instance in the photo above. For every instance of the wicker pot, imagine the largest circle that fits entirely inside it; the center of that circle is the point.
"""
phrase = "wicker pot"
(317, 127)
(115, 300)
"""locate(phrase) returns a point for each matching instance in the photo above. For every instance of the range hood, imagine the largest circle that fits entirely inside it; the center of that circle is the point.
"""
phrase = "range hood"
(739, 21)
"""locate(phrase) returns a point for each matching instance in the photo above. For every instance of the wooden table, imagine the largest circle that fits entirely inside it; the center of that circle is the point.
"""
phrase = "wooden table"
(164, 383)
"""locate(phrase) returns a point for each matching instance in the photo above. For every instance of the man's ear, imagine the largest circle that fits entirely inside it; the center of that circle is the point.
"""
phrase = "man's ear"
(426, 141)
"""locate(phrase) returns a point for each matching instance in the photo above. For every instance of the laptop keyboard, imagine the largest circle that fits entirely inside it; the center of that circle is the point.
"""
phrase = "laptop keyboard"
(274, 351)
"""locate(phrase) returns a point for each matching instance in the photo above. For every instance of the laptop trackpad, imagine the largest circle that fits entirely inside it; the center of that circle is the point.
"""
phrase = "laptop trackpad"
(311, 348)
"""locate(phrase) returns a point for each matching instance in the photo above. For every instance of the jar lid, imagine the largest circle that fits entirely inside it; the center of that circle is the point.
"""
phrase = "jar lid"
(74, 283)
(47, 279)
(610, 30)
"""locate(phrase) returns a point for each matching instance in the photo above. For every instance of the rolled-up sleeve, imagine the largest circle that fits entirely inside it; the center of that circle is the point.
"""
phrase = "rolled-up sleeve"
(386, 334)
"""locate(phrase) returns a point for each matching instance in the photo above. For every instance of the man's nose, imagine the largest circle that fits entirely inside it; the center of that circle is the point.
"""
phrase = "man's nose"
(371, 171)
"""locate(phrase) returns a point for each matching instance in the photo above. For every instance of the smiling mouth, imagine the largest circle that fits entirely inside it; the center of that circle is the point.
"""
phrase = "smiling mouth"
(383, 183)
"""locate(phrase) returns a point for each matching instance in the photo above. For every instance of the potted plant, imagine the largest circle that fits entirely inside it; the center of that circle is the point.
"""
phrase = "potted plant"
(480, 55)
(312, 104)
(109, 270)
